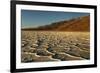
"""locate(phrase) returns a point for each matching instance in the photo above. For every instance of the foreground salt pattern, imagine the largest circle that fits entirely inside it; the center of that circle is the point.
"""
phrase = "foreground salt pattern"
(43, 46)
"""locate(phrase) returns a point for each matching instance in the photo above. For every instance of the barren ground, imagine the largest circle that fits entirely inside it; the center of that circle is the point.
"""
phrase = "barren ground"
(43, 46)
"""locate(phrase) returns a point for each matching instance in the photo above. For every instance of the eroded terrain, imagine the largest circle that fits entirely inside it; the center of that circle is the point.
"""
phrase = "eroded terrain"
(43, 46)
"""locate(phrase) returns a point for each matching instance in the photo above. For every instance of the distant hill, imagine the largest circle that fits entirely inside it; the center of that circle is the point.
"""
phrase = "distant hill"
(76, 24)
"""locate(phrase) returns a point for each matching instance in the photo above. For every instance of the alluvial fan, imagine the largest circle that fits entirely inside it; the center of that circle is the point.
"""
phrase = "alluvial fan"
(44, 46)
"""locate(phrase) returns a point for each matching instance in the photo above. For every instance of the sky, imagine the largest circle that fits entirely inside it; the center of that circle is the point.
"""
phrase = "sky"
(34, 18)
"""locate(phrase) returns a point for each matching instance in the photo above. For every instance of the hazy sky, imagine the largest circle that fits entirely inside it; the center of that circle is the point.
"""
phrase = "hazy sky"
(34, 18)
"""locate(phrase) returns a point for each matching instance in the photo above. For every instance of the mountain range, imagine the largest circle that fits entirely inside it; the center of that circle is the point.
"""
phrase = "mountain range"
(76, 24)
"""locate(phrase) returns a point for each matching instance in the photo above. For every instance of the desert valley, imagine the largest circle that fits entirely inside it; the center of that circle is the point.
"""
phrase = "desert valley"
(59, 41)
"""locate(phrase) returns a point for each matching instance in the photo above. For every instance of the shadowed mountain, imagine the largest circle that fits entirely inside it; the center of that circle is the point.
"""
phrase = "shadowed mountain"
(76, 24)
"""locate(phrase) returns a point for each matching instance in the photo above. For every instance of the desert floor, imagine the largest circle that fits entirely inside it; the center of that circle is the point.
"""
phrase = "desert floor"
(44, 46)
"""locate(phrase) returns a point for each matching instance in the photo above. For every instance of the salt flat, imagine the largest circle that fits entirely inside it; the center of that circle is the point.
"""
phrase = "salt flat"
(43, 46)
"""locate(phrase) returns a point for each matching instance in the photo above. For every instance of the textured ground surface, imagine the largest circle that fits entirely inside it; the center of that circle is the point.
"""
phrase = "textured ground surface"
(46, 46)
